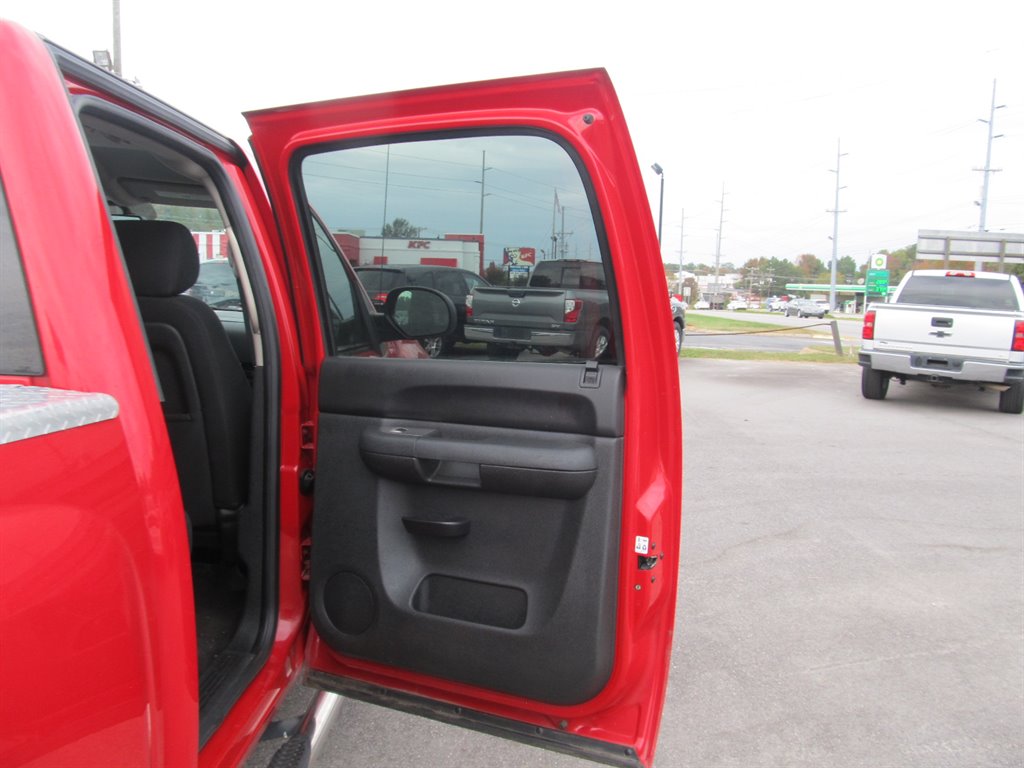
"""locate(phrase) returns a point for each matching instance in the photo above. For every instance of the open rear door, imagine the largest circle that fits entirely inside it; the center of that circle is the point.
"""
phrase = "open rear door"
(495, 531)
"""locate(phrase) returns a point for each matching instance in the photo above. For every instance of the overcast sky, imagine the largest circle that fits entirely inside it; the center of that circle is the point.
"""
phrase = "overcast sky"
(750, 95)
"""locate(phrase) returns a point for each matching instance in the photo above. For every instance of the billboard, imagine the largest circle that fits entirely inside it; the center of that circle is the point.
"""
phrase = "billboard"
(520, 257)
(998, 247)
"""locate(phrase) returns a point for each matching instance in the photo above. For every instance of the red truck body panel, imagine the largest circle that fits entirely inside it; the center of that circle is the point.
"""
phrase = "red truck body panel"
(98, 662)
(582, 110)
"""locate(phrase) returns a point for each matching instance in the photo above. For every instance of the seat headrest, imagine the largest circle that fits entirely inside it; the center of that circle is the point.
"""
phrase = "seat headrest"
(162, 257)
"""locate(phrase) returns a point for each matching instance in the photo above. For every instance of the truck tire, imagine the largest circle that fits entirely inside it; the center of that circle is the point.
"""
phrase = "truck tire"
(873, 384)
(599, 343)
(1012, 400)
(678, 328)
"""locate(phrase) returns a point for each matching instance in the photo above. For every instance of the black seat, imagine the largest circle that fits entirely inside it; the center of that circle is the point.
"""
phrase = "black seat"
(206, 395)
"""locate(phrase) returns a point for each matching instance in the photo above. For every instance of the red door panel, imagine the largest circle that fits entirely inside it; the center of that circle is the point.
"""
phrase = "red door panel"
(495, 544)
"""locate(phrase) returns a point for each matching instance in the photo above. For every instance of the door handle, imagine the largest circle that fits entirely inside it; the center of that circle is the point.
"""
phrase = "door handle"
(455, 528)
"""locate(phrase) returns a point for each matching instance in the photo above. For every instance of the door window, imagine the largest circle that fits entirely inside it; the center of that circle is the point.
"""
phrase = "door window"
(19, 344)
(501, 213)
(346, 328)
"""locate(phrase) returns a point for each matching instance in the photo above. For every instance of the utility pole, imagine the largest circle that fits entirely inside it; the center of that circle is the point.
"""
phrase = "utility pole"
(835, 232)
(679, 276)
(554, 235)
(718, 241)
(117, 37)
(483, 170)
(988, 165)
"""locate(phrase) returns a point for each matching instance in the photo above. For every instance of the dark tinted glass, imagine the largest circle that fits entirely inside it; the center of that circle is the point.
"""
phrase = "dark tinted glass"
(379, 280)
(19, 344)
(484, 220)
(965, 292)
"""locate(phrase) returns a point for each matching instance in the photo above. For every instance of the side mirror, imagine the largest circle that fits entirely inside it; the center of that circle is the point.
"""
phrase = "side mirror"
(420, 312)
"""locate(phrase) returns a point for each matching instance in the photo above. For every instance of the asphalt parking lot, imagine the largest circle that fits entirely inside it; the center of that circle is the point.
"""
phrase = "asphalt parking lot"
(851, 587)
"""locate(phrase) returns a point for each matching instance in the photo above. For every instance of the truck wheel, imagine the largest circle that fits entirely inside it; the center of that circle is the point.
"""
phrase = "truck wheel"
(433, 346)
(1012, 400)
(873, 384)
(678, 327)
(599, 343)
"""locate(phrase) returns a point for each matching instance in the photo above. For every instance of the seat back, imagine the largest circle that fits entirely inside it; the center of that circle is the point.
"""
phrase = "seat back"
(206, 395)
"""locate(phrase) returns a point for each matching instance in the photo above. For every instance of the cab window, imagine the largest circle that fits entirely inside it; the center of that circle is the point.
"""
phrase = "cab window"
(20, 354)
(475, 217)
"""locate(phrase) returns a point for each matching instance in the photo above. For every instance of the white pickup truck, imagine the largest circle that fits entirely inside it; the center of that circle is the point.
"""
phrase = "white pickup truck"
(948, 327)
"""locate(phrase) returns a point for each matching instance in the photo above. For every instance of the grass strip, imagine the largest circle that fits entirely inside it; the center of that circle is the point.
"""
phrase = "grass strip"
(849, 358)
(706, 323)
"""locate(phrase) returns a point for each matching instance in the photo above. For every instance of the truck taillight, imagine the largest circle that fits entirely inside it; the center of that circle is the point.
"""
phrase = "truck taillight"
(959, 274)
(1018, 337)
(469, 306)
(868, 331)
(573, 307)
(380, 298)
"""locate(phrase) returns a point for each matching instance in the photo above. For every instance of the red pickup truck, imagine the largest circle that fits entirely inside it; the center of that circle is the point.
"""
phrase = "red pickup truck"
(206, 499)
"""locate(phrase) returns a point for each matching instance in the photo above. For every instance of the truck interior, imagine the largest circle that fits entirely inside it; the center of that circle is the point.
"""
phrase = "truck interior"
(210, 356)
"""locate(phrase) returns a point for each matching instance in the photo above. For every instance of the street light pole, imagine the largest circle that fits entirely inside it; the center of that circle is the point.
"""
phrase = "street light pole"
(661, 198)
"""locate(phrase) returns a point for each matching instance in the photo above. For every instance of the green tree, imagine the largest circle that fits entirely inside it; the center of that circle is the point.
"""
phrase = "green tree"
(846, 269)
(809, 265)
(400, 228)
(495, 275)
(900, 261)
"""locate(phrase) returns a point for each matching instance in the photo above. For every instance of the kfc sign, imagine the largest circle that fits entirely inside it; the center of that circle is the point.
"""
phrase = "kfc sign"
(423, 244)
(520, 257)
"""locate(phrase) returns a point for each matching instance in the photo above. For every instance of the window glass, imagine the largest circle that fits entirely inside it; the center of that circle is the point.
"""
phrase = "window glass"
(484, 220)
(966, 292)
(450, 283)
(19, 343)
(346, 326)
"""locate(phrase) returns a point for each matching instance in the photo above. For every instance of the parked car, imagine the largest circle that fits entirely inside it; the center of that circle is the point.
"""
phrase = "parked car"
(216, 285)
(702, 305)
(678, 321)
(737, 305)
(453, 282)
(803, 308)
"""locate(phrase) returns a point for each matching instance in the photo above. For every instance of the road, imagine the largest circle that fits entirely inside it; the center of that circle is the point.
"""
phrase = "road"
(851, 586)
(849, 331)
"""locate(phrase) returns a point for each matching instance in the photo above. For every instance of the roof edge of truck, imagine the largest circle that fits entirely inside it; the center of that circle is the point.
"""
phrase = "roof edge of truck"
(88, 74)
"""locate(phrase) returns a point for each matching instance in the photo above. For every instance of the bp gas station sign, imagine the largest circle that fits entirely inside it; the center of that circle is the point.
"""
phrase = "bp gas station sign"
(878, 276)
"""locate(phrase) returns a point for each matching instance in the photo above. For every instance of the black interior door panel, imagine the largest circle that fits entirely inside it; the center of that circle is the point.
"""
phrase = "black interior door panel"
(450, 540)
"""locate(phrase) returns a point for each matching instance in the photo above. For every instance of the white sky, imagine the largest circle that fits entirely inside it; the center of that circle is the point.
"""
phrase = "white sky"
(752, 95)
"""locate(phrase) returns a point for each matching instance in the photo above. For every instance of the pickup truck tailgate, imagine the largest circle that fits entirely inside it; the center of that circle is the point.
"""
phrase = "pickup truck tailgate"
(509, 307)
(958, 332)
